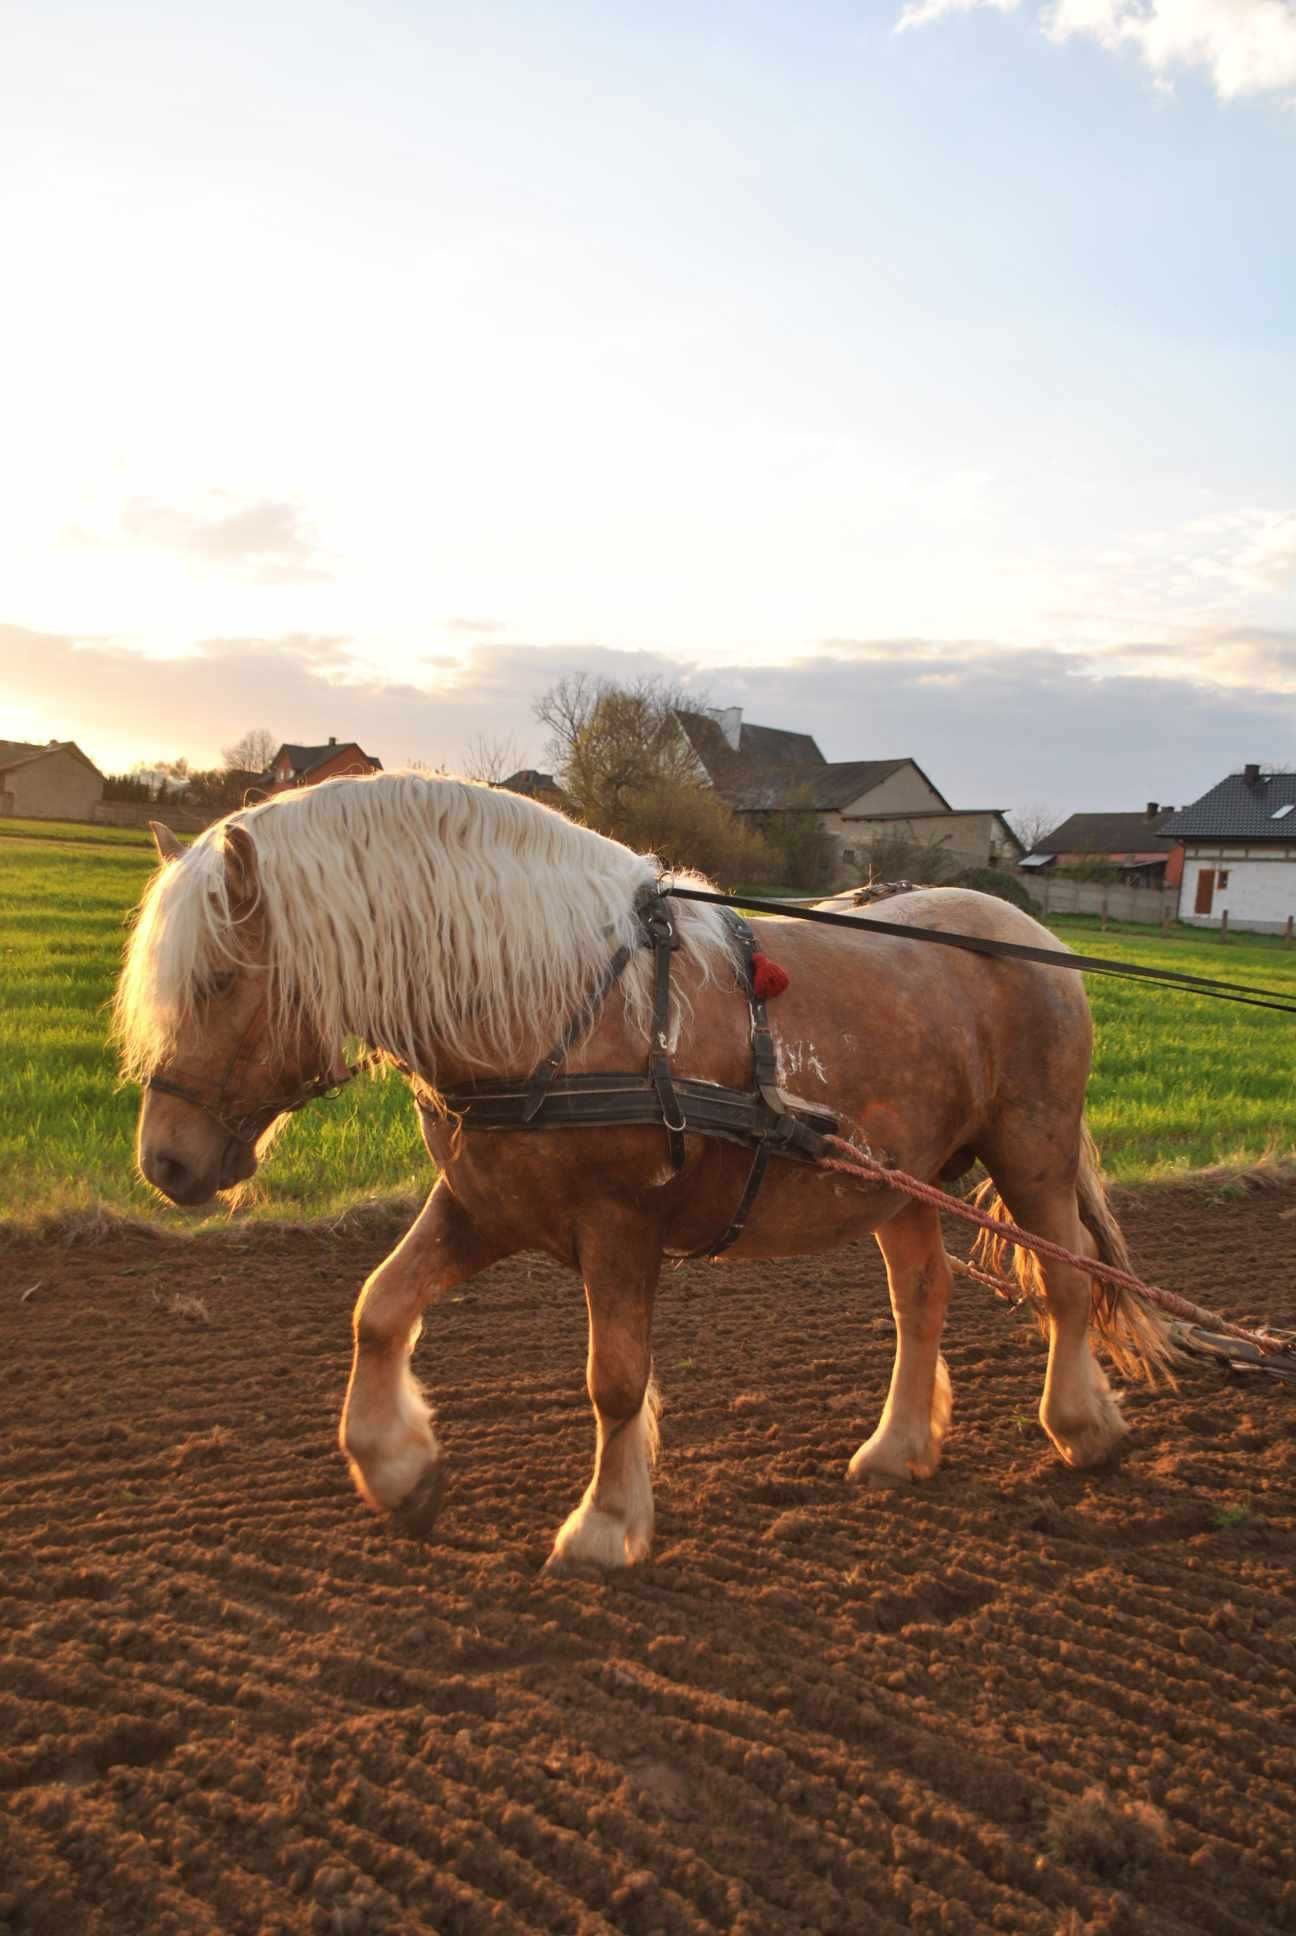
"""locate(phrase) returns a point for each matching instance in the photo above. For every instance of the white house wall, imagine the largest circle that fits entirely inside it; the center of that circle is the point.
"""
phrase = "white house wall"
(1261, 890)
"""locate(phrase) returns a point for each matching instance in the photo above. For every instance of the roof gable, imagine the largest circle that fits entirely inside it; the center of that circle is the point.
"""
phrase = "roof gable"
(1107, 833)
(305, 759)
(1239, 809)
(772, 768)
(21, 752)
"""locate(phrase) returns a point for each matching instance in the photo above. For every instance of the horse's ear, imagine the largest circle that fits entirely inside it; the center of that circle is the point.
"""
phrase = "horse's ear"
(169, 848)
(240, 867)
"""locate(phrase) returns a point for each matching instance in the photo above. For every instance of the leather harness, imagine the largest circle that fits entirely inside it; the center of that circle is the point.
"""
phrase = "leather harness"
(760, 1117)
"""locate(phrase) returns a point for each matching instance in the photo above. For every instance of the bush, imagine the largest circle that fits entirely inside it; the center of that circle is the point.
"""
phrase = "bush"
(993, 880)
(691, 826)
(898, 857)
(803, 852)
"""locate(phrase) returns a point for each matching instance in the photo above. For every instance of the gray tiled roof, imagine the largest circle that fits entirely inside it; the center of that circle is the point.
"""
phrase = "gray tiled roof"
(772, 768)
(1238, 809)
(1107, 833)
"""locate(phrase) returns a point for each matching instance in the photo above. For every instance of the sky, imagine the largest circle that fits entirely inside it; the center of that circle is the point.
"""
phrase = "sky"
(915, 373)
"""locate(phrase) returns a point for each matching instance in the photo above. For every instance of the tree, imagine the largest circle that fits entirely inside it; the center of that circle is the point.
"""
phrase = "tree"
(620, 756)
(491, 758)
(609, 745)
(1030, 823)
(253, 752)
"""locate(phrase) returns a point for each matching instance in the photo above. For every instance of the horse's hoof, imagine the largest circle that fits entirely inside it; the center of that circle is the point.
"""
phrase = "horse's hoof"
(563, 1566)
(418, 1511)
(876, 1478)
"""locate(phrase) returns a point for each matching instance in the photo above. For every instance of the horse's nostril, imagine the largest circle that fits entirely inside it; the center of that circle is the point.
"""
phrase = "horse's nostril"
(170, 1174)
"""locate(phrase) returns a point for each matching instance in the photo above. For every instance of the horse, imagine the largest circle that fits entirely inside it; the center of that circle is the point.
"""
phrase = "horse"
(459, 930)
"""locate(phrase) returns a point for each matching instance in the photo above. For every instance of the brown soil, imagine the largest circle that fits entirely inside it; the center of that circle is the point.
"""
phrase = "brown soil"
(1013, 1699)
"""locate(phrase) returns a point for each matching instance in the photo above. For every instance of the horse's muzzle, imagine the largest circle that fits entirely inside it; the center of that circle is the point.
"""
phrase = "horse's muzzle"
(187, 1186)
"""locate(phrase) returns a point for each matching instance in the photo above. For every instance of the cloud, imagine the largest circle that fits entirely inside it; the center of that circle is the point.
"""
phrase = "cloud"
(992, 726)
(1246, 46)
(267, 540)
(476, 628)
(1243, 46)
(922, 13)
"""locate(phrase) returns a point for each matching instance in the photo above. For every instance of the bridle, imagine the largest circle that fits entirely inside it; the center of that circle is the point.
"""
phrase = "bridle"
(235, 1121)
(245, 1122)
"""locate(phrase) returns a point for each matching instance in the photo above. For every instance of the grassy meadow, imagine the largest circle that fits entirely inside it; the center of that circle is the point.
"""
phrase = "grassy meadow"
(66, 1127)
(1179, 1082)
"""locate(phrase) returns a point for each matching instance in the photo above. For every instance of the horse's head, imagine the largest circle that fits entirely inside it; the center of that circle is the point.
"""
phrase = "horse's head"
(218, 1052)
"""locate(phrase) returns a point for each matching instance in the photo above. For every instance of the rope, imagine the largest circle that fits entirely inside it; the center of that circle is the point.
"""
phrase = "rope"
(852, 1162)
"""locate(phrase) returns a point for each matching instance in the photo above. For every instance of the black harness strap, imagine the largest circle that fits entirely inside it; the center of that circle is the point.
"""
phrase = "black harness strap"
(765, 1078)
(660, 930)
(544, 1072)
(759, 1118)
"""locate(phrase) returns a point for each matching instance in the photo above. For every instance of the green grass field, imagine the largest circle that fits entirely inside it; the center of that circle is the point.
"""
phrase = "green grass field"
(84, 833)
(65, 1125)
(1179, 1082)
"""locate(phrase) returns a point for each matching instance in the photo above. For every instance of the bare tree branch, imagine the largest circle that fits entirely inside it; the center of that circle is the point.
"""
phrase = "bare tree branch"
(253, 752)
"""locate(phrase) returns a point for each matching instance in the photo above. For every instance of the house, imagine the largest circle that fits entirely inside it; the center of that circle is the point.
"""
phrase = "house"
(862, 804)
(1239, 846)
(297, 766)
(534, 785)
(1131, 843)
(51, 782)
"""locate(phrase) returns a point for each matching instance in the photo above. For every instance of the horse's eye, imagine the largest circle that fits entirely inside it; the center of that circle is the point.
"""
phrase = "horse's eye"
(218, 984)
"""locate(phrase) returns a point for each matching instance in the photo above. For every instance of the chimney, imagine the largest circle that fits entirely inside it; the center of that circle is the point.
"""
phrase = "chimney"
(332, 739)
(1251, 774)
(729, 720)
(1153, 809)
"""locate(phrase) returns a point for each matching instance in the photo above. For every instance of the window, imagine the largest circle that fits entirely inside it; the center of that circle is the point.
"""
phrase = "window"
(849, 855)
(1281, 813)
(1221, 879)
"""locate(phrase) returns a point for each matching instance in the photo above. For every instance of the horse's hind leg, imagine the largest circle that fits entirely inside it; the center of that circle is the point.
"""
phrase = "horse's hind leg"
(915, 1418)
(387, 1432)
(1079, 1411)
(613, 1524)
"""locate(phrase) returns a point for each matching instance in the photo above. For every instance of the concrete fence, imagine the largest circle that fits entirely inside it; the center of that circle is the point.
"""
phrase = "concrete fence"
(1112, 898)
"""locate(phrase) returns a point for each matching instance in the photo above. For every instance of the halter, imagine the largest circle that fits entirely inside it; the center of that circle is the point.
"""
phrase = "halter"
(234, 1119)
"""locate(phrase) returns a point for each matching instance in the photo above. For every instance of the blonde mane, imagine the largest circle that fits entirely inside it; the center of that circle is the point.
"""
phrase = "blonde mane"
(413, 913)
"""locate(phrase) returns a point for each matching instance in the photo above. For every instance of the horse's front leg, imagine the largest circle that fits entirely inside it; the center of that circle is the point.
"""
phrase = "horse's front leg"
(612, 1526)
(915, 1419)
(387, 1431)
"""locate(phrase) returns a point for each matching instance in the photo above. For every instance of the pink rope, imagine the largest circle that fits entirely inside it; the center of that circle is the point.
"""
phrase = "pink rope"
(865, 1169)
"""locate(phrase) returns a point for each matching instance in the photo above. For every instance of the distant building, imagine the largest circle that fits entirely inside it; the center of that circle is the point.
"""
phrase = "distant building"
(1131, 843)
(534, 785)
(51, 782)
(863, 804)
(297, 766)
(1239, 847)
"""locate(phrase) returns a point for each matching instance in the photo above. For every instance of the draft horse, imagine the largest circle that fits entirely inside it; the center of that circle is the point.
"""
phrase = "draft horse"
(461, 932)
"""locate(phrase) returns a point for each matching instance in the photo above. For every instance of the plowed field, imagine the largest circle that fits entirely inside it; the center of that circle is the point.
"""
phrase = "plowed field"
(1013, 1699)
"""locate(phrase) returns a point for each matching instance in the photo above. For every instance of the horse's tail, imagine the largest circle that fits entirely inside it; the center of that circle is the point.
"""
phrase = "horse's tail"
(1135, 1334)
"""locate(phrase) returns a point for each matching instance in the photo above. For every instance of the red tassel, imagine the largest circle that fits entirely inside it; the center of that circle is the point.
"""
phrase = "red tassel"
(768, 979)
